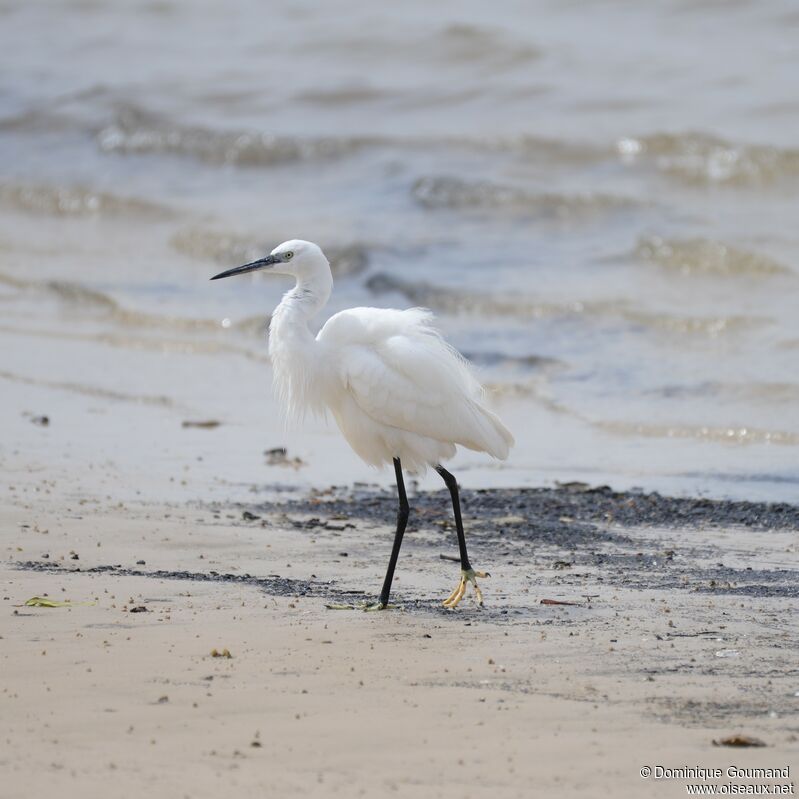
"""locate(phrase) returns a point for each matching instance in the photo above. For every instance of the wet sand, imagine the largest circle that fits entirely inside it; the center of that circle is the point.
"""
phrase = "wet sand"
(684, 631)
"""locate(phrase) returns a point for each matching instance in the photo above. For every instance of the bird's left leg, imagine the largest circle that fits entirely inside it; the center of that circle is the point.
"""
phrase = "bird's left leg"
(468, 574)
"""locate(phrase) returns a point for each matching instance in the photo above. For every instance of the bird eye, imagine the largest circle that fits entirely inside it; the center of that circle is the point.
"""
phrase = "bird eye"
(288, 256)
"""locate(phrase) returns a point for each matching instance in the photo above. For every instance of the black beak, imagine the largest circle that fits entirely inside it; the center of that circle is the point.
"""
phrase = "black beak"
(261, 263)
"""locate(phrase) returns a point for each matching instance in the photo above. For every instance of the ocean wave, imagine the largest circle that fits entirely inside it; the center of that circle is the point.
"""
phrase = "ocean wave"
(535, 389)
(732, 435)
(536, 362)
(702, 159)
(455, 193)
(159, 343)
(750, 392)
(485, 47)
(70, 201)
(344, 95)
(78, 295)
(696, 158)
(232, 249)
(38, 120)
(710, 326)
(89, 300)
(140, 132)
(465, 42)
(132, 129)
(706, 257)
(13, 282)
(538, 390)
(91, 391)
(456, 301)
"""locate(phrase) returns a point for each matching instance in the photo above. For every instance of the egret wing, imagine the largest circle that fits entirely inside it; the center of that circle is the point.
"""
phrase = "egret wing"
(400, 372)
(416, 382)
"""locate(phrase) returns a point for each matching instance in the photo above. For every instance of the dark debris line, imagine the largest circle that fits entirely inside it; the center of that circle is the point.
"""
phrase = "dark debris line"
(271, 586)
(596, 526)
(274, 585)
(578, 501)
(540, 524)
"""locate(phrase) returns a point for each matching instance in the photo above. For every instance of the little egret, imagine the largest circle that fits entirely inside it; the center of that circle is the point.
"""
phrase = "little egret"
(397, 390)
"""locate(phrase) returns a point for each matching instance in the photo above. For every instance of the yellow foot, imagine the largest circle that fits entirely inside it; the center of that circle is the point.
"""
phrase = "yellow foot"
(364, 606)
(467, 576)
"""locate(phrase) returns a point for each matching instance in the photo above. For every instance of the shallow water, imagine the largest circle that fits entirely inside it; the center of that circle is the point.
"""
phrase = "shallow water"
(597, 200)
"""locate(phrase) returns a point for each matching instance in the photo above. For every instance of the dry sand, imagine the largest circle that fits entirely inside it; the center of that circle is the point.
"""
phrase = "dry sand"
(518, 699)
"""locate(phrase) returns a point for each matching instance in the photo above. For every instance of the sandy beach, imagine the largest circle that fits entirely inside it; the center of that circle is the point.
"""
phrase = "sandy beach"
(681, 634)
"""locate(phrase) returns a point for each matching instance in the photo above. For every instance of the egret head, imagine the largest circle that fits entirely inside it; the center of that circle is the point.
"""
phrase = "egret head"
(301, 259)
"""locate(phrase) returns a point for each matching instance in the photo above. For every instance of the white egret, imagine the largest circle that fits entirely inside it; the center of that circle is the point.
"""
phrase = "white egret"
(399, 393)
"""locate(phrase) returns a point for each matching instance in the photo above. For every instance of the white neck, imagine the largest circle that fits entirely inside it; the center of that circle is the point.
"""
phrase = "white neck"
(293, 349)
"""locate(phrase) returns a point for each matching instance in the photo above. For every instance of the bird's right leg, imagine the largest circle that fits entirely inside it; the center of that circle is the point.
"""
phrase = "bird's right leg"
(403, 511)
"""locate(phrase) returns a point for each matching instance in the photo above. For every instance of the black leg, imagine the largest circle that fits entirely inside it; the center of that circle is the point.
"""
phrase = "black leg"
(402, 519)
(452, 485)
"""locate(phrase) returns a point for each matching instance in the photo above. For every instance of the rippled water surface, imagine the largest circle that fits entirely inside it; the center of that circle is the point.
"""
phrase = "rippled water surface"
(598, 200)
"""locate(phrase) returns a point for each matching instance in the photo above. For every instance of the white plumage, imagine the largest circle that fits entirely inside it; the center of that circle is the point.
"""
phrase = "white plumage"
(396, 389)
(394, 386)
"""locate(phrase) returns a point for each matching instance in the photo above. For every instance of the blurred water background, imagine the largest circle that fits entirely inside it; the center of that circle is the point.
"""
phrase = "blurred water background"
(598, 200)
